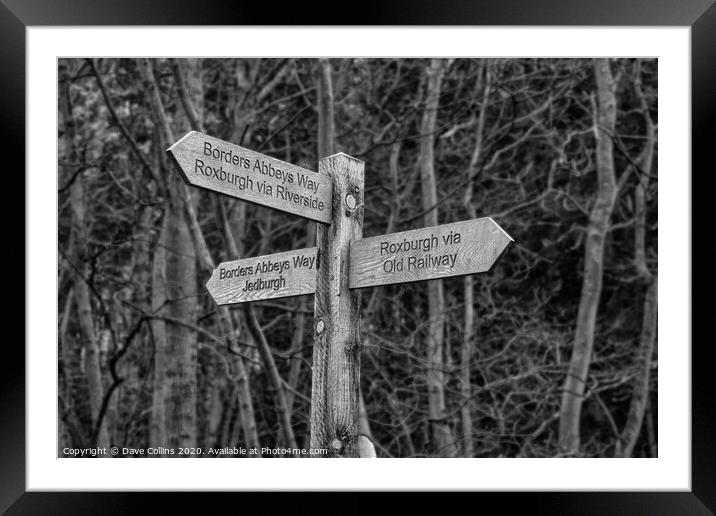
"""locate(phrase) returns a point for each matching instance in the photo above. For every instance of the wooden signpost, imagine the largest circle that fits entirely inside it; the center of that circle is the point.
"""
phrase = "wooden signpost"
(226, 168)
(342, 263)
(466, 247)
(292, 273)
(335, 388)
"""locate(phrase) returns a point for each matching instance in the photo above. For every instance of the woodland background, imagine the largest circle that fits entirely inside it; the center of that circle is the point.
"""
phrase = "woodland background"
(553, 353)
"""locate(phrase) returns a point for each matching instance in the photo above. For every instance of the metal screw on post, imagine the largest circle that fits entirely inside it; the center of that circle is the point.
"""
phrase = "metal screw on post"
(351, 202)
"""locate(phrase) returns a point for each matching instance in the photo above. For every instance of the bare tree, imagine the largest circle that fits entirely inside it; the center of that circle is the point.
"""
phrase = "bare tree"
(435, 337)
(640, 393)
(243, 389)
(468, 342)
(575, 382)
(82, 267)
(174, 295)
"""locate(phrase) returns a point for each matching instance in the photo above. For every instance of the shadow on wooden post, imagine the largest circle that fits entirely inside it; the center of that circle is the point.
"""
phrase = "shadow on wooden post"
(336, 350)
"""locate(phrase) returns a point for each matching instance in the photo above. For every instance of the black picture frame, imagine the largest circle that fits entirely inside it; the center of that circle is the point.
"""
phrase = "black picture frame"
(17, 15)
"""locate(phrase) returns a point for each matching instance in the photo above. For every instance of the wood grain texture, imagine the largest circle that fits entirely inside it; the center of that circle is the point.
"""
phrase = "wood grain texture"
(427, 253)
(223, 167)
(292, 273)
(336, 351)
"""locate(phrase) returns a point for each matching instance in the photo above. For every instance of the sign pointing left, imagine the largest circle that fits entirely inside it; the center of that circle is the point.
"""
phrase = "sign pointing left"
(226, 168)
(292, 273)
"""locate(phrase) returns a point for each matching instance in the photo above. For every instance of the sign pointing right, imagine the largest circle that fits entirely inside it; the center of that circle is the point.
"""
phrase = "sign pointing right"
(466, 247)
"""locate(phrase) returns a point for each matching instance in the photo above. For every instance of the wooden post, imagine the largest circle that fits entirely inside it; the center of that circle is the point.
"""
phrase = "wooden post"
(336, 351)
(336, 269)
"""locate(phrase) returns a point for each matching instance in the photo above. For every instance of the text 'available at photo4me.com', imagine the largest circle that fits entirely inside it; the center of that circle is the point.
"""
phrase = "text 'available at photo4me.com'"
(163, 451)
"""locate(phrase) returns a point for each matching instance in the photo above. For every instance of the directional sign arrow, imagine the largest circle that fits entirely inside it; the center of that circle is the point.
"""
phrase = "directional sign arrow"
(223, 167)
(466, 247)
(292, 273)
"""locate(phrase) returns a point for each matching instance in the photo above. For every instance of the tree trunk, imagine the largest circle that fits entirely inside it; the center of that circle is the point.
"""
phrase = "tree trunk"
(574, 385)
(175, 356)
(646, 161)
(248, 419)
(297, 342)
(640, 394)
(469, 329)
(83, 271)
(650, 432)
(371, 310)
(256, 332)
(466, 354)
(243, 394)
(325, 147)
(188, 76)
(326, 122)
(442, 435)
(284, 416)
(174, 295)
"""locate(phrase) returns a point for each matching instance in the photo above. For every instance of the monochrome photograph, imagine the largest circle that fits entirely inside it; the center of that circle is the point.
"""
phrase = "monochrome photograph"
(357, 257)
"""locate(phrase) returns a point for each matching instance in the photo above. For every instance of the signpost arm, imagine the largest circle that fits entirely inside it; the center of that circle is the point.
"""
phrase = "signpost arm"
(336, 352)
